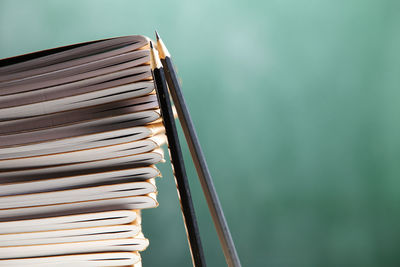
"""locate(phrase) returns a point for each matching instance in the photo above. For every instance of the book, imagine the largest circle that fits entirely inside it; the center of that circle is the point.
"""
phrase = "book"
(91, 259)
(80, 135)
(75, 221)
(70, 235)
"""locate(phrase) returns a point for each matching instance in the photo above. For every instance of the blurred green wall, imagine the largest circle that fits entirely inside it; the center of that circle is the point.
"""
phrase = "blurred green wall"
(296, 104)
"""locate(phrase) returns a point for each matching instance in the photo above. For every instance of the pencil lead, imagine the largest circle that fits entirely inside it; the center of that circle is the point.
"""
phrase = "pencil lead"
(157, 35)
(162, 49)
(155, 62)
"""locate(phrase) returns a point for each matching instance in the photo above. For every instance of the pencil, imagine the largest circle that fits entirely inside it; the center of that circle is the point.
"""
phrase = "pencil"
(199, 160)
(189, 216)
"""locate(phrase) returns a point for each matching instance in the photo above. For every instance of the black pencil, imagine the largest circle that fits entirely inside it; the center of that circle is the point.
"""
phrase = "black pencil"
(199, 160)
(189, 216)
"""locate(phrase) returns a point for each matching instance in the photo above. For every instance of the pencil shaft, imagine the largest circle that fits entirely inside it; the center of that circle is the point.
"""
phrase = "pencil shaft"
(207, 184)
(184, 194)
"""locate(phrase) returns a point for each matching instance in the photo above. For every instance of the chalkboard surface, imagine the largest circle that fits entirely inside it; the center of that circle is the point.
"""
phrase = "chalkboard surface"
(296, 104)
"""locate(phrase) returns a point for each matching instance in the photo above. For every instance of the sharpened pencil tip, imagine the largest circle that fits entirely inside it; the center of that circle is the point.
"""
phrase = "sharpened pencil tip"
(162, 49)
(155, 62)
(157, 35)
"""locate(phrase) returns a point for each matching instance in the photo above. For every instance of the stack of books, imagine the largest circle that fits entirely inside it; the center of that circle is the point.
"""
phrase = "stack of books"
(80, 134)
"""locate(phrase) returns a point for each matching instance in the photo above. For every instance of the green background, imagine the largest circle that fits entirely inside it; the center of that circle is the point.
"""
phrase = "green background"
(296, 104)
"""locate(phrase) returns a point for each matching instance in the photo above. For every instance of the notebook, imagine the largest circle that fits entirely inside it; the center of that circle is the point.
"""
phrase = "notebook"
(96, 259)
(80, 137)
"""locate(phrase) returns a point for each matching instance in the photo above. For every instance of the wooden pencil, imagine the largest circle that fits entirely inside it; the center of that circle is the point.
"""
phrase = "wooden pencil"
(199, 160)
(176, 156)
